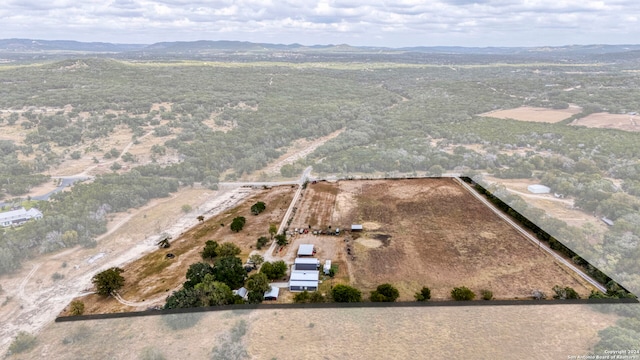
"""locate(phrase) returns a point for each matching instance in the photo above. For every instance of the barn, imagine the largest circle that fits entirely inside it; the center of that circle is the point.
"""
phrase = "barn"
(538, 189)
(302, 280)
(272, 294)
(306, 264)
(305, 250)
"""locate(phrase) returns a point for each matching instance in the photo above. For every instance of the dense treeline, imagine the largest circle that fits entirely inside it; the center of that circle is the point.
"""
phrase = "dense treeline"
(77, 217)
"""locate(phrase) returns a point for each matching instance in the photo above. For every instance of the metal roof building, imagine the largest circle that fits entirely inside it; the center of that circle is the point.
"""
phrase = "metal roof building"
(538, 189)
(306, 264)
(356, 227)
(272, 294)
(327, 267)
(305, 250)
(304, 280)
(19, 216)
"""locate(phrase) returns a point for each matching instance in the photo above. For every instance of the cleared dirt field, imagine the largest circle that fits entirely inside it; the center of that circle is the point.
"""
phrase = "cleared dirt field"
(527, 113)
(150, 279)
(610, 121)
(431, 232)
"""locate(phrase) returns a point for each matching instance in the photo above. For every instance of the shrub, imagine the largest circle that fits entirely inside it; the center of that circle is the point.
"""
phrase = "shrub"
(262, 241)
(345, 293)
(462, 294)
(76, 308)
(258, 207)
(186, 208)
(384, 293)
(57, 276)
(565, 293)
(22, 342)
(238, 223)
(423, 295)
(486, 294)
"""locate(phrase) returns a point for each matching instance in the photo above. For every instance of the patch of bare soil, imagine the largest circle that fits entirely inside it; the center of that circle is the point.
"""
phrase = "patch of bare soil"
(438, 235)
(624, 122)
(527, 113)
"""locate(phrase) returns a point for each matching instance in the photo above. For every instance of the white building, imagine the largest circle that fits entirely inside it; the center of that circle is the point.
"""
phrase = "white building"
(19, 216)
(305, 250)
(272, 294)
(302, 280)
(327, 267)
(306, 264)
(538, 189)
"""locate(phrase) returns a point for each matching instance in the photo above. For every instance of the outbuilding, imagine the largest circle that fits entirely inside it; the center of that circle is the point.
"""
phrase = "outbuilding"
(242, 292)
(305, 250)
(356, 227)
(272, 294)
(538, 189)
(306, 264)
(327, 267)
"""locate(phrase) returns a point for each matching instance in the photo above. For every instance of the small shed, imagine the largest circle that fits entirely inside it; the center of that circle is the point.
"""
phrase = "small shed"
(327, 267)
(306, 264)
(272, 294)
(538, 189)
(242, 292)
(305, 250)
(607, 221)
(356, 227)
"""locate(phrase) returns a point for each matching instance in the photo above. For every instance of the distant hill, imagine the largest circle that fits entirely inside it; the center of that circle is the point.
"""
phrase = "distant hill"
(28, 45)
(28, 49)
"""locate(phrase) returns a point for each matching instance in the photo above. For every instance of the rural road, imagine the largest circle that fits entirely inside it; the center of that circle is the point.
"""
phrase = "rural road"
(305, 175)
(535, 241)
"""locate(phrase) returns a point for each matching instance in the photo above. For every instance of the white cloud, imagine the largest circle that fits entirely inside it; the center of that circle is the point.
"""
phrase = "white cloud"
(378, 22)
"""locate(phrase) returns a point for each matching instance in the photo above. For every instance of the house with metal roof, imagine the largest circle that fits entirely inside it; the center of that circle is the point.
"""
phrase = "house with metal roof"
(19, 216)
(302, 280)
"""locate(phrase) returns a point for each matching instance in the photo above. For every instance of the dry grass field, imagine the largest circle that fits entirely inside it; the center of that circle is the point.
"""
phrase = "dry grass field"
(527, 113)
(479, 332)
(610, 121)
(150, 279)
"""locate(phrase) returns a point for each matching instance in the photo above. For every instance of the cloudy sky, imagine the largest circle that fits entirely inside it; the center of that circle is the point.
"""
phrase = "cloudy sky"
(357, 22)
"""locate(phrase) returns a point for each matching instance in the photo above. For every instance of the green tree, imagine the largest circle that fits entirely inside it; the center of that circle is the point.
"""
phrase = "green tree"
(273, 230)
(214, 293)
(261, 242)
(76, 308)
(274, 270)
(230, 271)
(309, 297)
(345, 293)
(200, 218)
(238, 223)
(423, 295)
(210, 250)
(281, 240)
(257, 284)
(258, 207)
(108, 281)
(187, 297)
(196, 273)
(228, 249)
(565, 293)
(384, 293)
(462, 293)
(256, 259)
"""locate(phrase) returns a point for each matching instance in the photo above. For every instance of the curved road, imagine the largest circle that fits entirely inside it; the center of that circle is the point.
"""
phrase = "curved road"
(531, 238)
